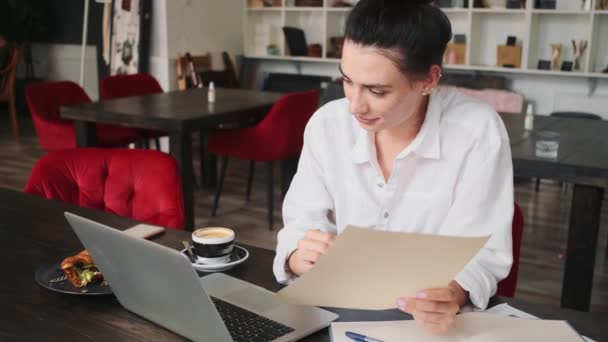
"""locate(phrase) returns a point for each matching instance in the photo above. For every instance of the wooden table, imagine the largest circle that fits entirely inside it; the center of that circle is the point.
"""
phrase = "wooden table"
(178, 113)
(33, 231)
(582, 160)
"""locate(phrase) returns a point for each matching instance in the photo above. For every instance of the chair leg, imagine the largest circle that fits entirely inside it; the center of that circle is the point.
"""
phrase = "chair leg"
(13, 111)
(157, 144)
(270, 194)
(250, 179)
(289, 168)
(220, 185)
(537, 184)
(194, 179)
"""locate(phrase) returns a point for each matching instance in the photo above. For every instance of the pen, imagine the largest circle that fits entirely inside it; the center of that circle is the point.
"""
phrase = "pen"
(361, 338)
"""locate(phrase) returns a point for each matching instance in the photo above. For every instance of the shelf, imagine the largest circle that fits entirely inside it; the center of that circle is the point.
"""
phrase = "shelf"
(449, 10)
(560, 12)
(455, 67)
(535, 29)
(498, 11)
(531, 71)
(264, 9)
(296, 58)
(338, 9)
(303, 9)
(496, 69)
(599, 75)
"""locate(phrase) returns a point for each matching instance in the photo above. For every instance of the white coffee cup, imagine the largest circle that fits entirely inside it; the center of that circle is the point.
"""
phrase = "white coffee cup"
(213, 245)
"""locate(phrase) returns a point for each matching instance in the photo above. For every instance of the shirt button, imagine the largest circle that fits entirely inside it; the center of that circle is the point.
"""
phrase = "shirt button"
(386, 214)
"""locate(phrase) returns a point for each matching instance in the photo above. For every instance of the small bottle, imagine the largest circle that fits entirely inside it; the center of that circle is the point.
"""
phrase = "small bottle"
(529, 119)
(211, 93)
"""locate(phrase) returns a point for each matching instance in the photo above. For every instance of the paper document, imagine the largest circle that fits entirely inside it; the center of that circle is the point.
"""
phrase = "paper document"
(508, 310)
(370, 269)
(469, 327)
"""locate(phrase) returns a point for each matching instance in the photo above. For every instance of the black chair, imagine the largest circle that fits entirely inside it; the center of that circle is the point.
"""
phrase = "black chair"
(572, 115)
(331, 91)
(293, 83)
(296, 41)
(225, 78)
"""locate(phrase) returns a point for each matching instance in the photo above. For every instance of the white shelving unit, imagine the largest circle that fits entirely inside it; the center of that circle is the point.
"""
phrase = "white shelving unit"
(485, 29)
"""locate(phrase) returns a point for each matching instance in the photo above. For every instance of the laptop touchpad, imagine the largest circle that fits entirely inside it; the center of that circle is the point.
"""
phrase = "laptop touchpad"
(254, 299)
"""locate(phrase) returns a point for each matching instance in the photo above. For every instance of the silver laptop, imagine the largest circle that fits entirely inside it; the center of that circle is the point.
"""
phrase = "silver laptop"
(160, 284)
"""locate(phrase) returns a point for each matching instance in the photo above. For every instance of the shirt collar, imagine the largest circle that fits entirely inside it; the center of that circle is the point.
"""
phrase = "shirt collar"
(426, 144)
(364, 149)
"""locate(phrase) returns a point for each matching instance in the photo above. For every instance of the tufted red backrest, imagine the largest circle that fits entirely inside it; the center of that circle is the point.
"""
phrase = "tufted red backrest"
(283, 127)
(507, 286)
(139, 184)
(44, 100)
(117, 86)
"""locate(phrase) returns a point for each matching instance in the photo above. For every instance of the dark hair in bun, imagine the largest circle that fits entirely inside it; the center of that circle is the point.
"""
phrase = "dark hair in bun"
(417, 30)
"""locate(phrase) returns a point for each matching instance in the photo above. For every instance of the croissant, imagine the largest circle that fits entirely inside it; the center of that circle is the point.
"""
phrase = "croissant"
(80, 269)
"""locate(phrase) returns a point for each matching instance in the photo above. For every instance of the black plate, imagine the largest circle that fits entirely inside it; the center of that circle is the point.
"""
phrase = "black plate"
(45, 273)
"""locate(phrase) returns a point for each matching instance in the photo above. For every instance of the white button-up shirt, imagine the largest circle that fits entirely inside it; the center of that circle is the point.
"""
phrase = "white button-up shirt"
(455, 178)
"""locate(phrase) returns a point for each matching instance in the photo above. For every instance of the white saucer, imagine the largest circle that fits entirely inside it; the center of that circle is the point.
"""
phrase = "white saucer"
(239, 254)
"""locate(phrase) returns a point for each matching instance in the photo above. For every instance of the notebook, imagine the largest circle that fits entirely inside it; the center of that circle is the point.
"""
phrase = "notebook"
(470, 327)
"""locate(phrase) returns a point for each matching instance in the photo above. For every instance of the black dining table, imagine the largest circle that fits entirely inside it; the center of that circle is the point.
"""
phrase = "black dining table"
(583, 161)
(34, 232)
(180, 114)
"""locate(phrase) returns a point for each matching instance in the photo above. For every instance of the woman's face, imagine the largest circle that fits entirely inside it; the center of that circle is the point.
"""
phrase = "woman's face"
(380, 96)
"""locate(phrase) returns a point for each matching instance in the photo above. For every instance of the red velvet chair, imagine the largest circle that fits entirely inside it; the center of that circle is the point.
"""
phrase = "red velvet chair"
(278, 137)
(54, 133)
(114, 87)
(507, 286)
(140, 184)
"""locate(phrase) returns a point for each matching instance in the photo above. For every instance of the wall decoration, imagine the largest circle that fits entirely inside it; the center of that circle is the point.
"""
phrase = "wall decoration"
(556, 55)
(566, 66)
(544, 64)
(130, 36)
(579, 48)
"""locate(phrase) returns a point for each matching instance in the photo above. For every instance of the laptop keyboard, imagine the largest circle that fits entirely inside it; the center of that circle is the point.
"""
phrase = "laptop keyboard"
(245, 325)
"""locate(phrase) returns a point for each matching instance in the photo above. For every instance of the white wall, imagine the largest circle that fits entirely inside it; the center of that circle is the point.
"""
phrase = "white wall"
(197, 26)
(554, 93)
(58, 62)
(202, 26)
(159, 56)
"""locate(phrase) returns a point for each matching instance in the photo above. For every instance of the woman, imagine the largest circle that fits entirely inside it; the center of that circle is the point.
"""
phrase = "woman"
(400, 154)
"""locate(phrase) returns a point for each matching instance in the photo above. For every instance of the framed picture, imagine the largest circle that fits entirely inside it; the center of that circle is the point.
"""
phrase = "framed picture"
(130, 38)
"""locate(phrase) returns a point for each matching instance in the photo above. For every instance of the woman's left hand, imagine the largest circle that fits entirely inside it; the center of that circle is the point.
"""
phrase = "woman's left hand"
(435, 309)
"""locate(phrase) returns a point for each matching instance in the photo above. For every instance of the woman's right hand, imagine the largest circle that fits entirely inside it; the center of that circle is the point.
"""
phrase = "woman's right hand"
(310, 248)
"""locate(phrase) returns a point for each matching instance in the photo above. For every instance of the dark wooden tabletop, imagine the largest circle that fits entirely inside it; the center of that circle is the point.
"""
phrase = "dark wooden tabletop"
(582, 154)
(174, 111)
(33, 231)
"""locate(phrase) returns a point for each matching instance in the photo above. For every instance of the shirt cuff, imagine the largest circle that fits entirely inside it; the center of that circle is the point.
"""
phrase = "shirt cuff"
(479, 293)
(279, 267)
